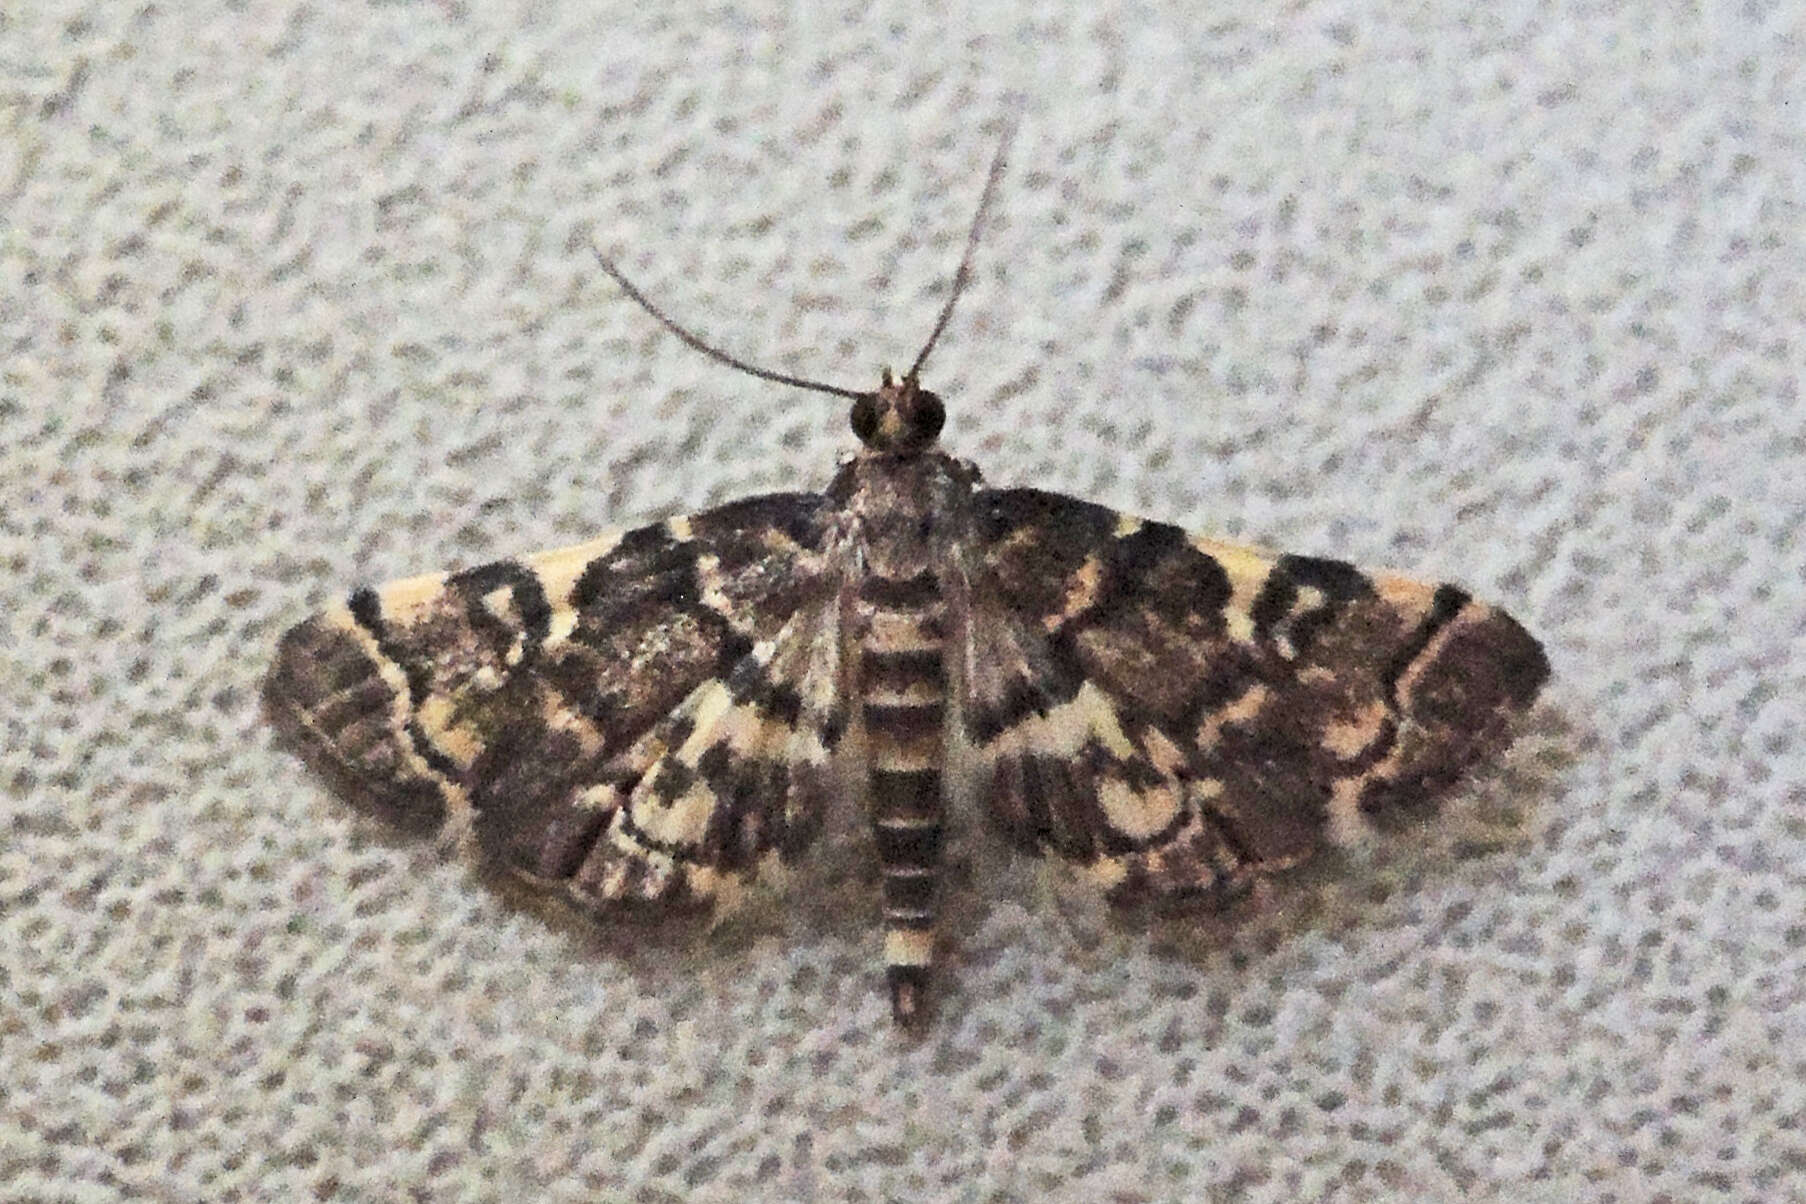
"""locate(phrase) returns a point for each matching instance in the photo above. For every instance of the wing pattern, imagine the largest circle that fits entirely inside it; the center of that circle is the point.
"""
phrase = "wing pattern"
(1178, 715)
(546, 705)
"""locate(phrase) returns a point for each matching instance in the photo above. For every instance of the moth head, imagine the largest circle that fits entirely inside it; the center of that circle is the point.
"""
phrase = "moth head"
(900, 419)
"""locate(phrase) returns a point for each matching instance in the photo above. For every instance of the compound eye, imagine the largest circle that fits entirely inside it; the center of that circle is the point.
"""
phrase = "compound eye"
(865, 418)
(931, 416)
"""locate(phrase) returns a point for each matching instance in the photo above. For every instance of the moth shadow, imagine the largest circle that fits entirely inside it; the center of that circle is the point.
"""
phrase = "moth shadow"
(641, 937)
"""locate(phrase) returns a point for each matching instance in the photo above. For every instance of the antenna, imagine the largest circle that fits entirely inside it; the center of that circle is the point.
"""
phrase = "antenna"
(713, 352)
(960, 279)
(963, 277)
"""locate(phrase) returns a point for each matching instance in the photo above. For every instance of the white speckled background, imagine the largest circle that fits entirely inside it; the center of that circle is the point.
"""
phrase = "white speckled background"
(294, 295)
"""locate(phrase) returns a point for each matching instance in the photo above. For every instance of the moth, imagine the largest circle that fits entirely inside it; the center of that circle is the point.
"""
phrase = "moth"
(655, 718)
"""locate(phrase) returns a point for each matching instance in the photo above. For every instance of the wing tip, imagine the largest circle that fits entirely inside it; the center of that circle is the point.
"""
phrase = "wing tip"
(330, 705)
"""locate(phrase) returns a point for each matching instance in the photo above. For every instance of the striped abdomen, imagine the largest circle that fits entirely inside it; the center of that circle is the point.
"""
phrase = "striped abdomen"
(903, 693)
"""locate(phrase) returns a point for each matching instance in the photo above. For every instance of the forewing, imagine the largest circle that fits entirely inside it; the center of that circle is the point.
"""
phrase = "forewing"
(1281, 700)
(500, 696)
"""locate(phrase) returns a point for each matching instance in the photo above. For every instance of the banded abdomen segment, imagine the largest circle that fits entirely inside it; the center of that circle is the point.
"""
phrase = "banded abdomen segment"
(903, 698)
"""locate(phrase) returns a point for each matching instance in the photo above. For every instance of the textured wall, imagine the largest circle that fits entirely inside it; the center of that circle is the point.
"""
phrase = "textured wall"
(295, 295)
